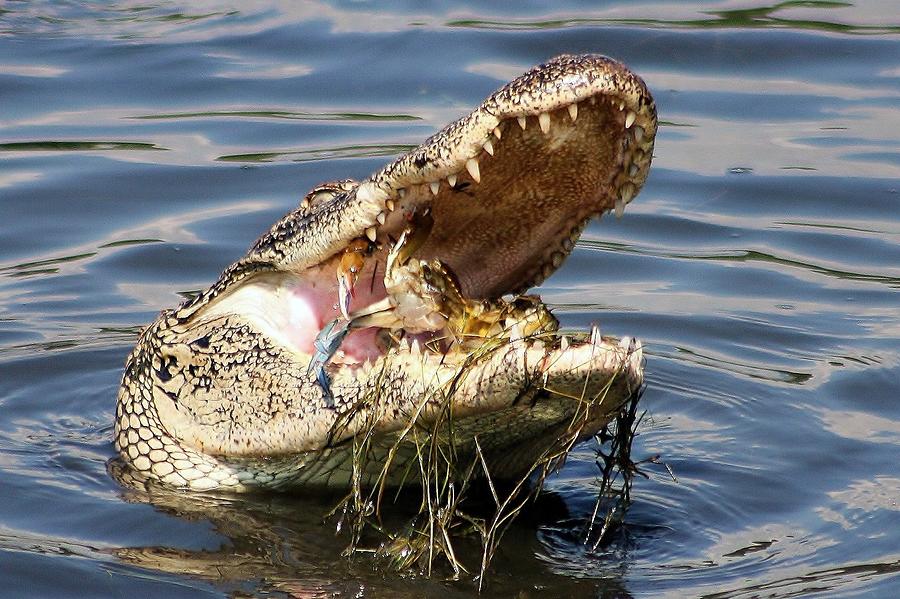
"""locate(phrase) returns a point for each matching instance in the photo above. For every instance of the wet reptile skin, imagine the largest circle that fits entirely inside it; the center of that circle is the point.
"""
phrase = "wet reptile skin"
(215, 395)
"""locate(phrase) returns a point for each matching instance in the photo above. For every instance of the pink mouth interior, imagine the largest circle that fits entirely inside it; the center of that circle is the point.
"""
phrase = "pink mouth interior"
(314, 303)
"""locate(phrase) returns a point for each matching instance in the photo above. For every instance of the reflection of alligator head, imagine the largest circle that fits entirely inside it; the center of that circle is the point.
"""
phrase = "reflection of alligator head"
(274, 545)
(416, 265)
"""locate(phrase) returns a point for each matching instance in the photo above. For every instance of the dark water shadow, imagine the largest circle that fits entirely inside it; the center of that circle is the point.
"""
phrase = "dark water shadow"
(276, 543)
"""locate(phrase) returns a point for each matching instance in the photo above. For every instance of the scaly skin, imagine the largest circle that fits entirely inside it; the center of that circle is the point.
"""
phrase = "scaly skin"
(216, 393)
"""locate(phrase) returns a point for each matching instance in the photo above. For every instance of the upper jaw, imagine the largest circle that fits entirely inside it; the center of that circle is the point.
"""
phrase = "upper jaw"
(511, 185)
(508, 187)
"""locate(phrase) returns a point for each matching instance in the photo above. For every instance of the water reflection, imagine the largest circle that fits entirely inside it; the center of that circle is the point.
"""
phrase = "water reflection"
(759, 266)
(279, 543)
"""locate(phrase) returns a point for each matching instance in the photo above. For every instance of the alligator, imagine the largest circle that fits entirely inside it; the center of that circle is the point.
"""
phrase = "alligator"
(397, 306)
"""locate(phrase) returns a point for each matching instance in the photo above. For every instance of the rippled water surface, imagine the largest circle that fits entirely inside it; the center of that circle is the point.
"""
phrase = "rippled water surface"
(145, 145)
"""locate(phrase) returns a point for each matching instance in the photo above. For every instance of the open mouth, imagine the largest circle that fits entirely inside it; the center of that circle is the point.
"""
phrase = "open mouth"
(449, 234)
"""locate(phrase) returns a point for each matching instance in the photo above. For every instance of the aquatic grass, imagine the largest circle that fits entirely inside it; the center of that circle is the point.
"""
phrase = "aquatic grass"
(457, 495)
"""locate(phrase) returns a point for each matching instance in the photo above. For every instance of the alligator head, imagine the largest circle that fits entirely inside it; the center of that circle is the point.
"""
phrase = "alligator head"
(421, 266)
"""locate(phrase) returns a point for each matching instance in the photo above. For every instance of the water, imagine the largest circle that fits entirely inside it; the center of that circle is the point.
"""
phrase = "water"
(144, 146)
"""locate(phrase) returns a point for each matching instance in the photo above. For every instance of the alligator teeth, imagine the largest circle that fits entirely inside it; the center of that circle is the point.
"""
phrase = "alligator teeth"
(415, 348)
(621, 106)
(435, 186)
(627, 192)
(547, 271)
(390, 205)
(515, 333)
(544, 121)
(489, 147)
(620, 208)
(573, 111)
(452, 180)
(381, 218)
(638, 134)
(633, 170)
(629, 119)
(563, 343)
(595, 335)
(625, 344)
(472, 167)
(522, 122)
(497, 132)
(371, 233)
(402, 193)
(557, 259)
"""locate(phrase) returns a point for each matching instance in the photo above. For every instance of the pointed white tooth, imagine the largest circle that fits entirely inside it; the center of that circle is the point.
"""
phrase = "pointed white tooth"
(371, 233)
(521, 120)
(304, 203)
(515, 333)
(403, 345)
(595, 335)
(621, 105)
(620, 208)
(627, 192)
(638, 134)
(625, 344)
(401, 193)
(489, 147)
(497, 133)
(629, 119)
(435, 187)
(472, 167)
(381, 218)
(633, 170)
(544, 121)
(563, 343)
(415, 348)
(389, 204)
(452, 180)
(573, 111)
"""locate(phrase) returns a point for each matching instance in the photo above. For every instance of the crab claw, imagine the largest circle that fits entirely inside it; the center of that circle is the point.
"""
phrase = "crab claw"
(326, 345)
(345, 294)
(351, 264)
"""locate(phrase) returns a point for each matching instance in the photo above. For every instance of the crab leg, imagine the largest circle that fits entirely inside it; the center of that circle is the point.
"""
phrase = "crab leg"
(351, 264)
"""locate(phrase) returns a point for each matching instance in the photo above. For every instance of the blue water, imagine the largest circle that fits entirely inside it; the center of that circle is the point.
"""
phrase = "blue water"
(145, 145)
